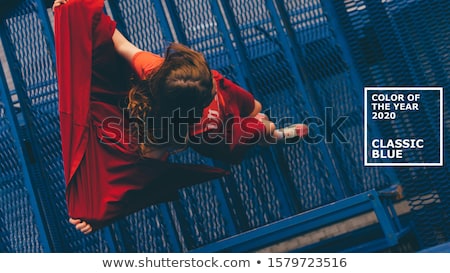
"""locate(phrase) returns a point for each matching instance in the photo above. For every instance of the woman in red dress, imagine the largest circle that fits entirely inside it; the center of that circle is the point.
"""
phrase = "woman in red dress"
(115, 138)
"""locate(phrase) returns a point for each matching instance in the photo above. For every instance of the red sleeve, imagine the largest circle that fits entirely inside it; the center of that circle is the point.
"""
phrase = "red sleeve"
(237, 96)
(145, 62)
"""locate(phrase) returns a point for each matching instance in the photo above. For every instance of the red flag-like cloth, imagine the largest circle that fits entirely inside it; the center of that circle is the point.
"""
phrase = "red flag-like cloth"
(105, 180)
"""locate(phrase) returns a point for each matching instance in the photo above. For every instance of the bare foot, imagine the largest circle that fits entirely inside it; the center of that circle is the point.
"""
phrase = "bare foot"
(81, 225)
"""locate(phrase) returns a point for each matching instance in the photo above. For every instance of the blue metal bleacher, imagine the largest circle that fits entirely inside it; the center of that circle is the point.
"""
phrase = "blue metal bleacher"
(290, 227)
(305, 61)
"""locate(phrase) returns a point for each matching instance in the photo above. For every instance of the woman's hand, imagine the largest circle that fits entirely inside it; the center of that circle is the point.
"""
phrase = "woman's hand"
(58, 3)
(81, 225)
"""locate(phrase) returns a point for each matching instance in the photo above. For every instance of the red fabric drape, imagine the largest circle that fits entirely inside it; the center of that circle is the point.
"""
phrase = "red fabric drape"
(105, 179)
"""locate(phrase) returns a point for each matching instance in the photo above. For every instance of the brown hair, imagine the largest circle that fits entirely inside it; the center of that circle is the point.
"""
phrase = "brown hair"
(183, 82)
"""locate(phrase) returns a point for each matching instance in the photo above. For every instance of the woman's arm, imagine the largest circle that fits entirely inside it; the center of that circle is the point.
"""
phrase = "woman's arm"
(124, 47)
(256, 110)
(121, 44)
(58, 3)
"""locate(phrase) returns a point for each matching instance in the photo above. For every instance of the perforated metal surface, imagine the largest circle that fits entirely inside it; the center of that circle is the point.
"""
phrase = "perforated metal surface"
(405, 43)
(18, 230)
(303, 61)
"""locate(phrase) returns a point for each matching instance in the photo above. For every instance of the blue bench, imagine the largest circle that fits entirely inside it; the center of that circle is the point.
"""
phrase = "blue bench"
(380, 202)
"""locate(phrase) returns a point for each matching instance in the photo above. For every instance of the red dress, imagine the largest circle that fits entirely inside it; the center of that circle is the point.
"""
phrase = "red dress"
(105, 177)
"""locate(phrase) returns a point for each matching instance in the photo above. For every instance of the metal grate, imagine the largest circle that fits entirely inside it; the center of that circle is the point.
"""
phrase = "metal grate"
(301, 59)
(405, 43)
(19, 232)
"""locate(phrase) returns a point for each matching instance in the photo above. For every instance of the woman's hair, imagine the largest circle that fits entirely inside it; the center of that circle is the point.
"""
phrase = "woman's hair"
(182, 83)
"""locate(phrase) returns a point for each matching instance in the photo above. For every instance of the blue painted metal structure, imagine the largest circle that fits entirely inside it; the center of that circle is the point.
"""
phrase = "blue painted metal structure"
(302, 223)
(304, 60)
(16, 184)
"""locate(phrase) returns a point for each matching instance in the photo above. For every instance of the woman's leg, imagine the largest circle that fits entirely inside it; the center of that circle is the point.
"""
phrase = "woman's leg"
(288, 134)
